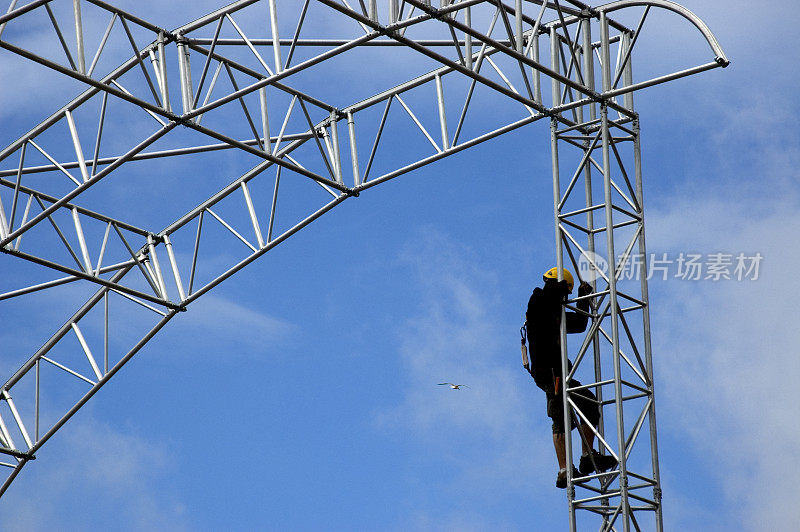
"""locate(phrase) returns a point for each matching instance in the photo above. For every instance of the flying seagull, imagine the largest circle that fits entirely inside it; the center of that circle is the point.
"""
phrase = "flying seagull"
(453, 386)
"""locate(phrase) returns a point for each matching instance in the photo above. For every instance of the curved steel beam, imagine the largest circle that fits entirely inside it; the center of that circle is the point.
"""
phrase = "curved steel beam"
(721, 58)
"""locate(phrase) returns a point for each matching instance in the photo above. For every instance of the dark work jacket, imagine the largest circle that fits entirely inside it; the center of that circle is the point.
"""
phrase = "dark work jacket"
(543, 319)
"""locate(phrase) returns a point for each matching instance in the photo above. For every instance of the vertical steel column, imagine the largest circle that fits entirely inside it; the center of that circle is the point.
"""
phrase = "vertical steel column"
(76, 6)
(468, 38)
(588, 72)
(555, 43)
(627, 73)
(612, 277)
(373, 10)
(648, 353)
(276, 44)
(563, 331)
(162, 60)
(184, 69)
(614, 317)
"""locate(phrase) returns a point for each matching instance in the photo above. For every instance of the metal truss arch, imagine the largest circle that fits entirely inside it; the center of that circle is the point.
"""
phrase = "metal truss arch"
(221, 85)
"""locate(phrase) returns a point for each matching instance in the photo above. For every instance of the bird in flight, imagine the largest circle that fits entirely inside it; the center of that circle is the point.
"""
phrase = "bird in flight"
(453, 386)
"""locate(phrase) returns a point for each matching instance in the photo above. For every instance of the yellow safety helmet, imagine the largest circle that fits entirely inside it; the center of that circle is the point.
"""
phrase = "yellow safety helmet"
(552, 273)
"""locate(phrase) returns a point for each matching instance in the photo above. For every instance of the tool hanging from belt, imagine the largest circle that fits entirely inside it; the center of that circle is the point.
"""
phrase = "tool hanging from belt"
(523, 332)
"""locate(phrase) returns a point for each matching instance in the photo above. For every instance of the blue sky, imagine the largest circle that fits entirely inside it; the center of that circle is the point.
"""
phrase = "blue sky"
(301, 394)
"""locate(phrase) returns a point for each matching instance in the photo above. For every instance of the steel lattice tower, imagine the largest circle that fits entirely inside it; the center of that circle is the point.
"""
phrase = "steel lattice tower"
(249, 79)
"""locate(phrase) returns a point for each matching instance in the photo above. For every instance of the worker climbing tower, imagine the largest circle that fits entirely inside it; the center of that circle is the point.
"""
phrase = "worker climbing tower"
(262, 79)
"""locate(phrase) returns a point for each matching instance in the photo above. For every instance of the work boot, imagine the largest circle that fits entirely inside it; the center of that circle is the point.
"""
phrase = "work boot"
(561, 479)
(602, 462)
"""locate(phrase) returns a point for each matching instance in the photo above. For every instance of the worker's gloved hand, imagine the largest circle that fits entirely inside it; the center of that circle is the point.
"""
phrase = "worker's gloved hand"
(584, 289)
(563, 286)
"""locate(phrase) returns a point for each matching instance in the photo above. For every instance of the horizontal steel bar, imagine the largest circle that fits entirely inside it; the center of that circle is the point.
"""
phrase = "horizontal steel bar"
(590, 385)
(599, 476)
(620, 124)
(268, 157)
(22, 10)
(562, 216)
(59, 282)
(649, 481)
(70, 206)
(328, 42)
(635, 216)
(604, 496)
(68, 370)
(626, 398)
(87, 277)
(145, 156)
(16, 453)
(630, 298)
(645, 391)
(651, 504)
(576, 226)
(133, 18)
(138, 302)
(213, 16)
(615, 226)
(584, 125)
(662, 79)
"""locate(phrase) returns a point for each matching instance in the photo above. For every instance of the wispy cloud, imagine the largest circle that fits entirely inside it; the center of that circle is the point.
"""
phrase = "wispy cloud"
(121, 470)
(727, 350)
(228, 329)
(491, 436)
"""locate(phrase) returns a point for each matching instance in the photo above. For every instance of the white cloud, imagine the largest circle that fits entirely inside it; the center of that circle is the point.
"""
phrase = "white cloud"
(230, 328)
(119, 470)
(728, 357)
(494, 434)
